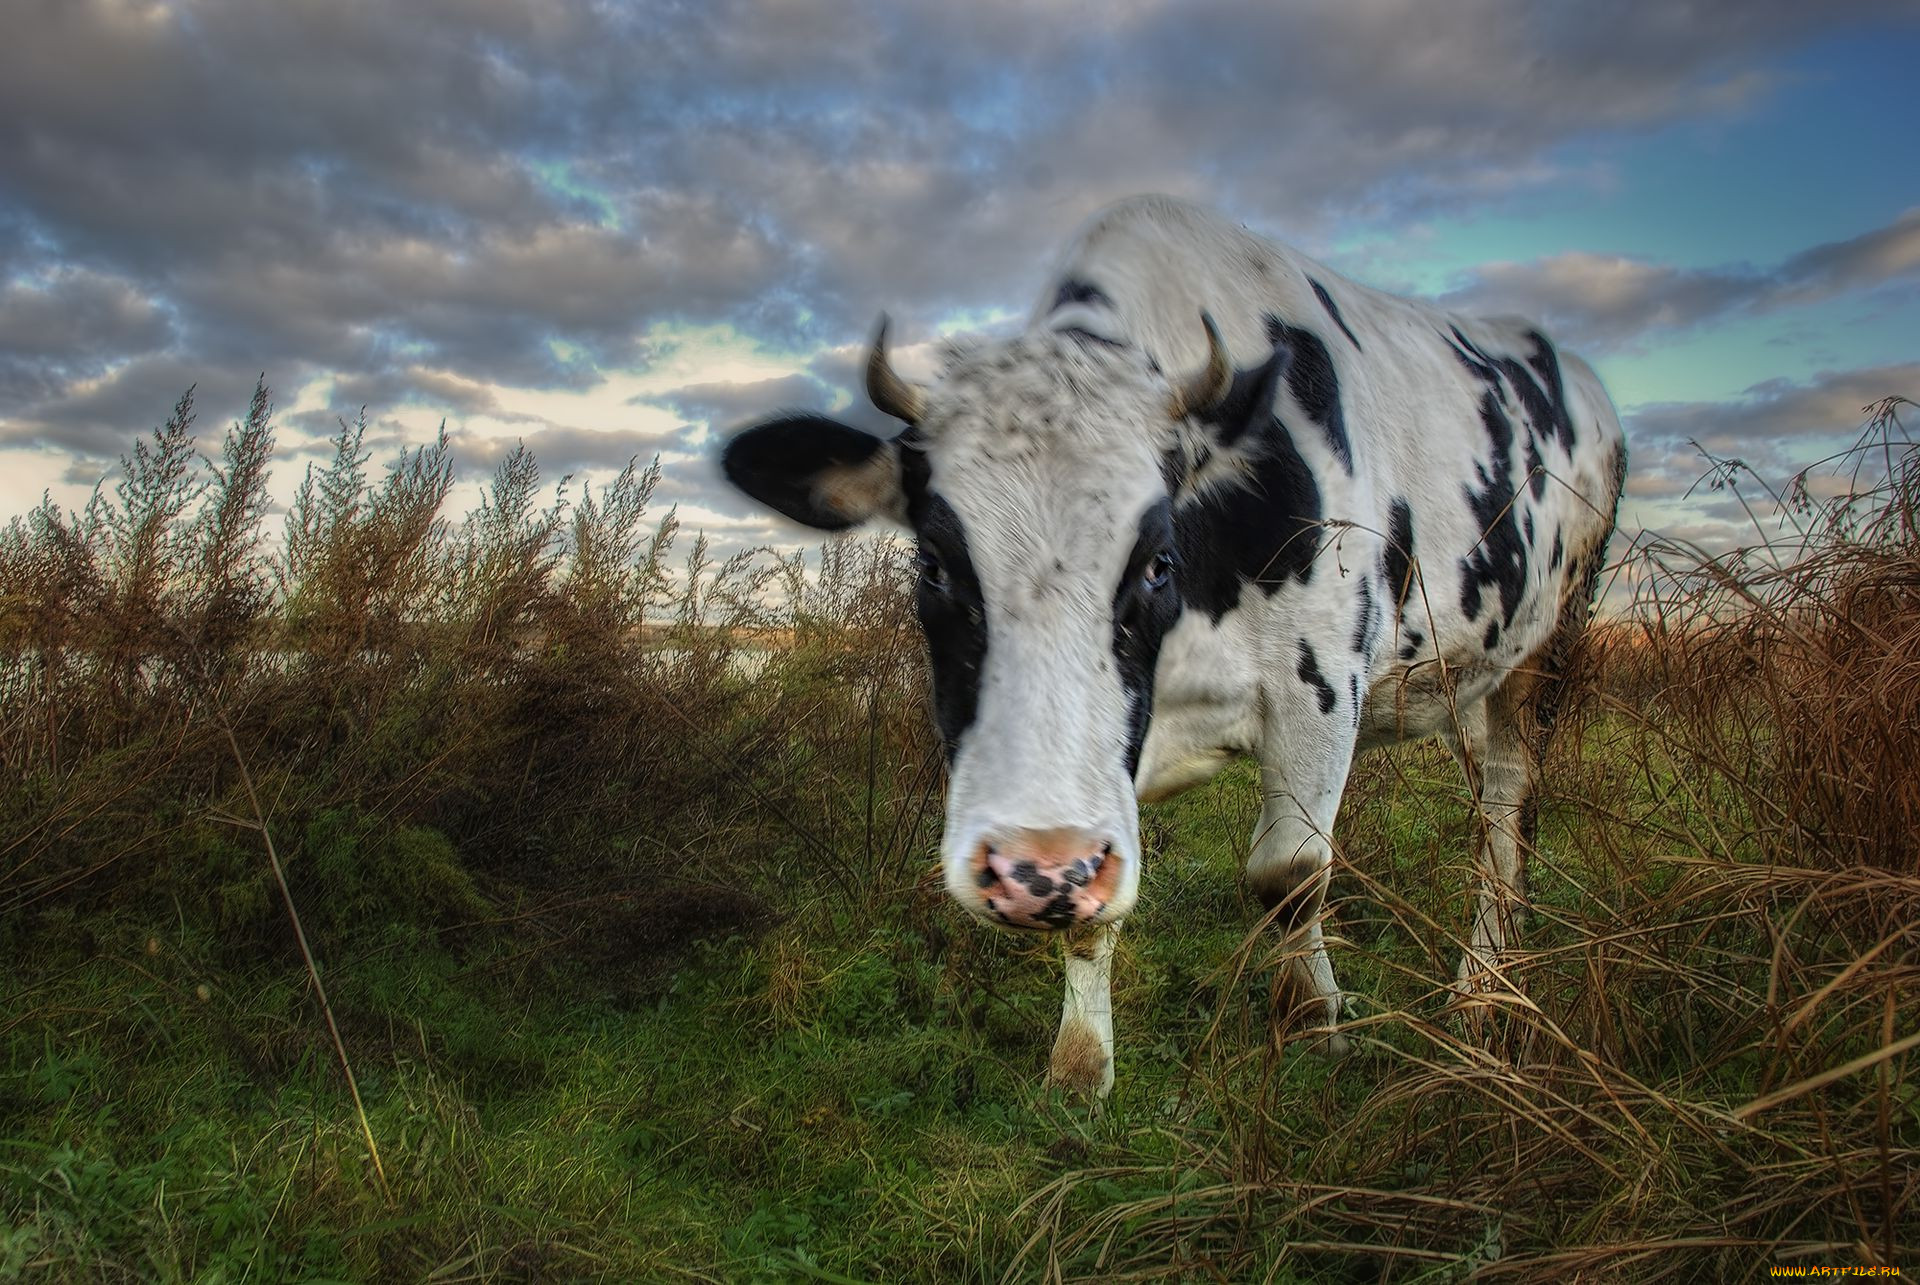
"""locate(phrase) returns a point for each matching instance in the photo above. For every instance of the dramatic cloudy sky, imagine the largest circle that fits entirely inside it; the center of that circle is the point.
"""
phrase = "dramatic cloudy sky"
(612, 230)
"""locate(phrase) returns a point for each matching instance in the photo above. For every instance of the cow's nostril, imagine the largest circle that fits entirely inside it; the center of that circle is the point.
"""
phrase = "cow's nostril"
(1043, 879)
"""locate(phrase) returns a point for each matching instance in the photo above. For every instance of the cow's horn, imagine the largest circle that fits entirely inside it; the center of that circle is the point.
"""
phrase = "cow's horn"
(889, 392)
(1208, 388)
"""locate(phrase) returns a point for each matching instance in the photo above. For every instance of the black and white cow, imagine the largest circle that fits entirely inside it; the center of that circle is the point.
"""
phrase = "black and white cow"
(1363, 520)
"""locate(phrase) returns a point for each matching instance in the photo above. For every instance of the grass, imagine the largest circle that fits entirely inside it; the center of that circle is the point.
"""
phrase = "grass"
(644, 973)
(852, 1091)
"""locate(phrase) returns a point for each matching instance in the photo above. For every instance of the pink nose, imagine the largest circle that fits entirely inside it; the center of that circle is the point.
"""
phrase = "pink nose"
(1046, 879)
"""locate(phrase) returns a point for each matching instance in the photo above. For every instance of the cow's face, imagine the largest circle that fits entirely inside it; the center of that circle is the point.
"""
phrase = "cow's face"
(1034, 478)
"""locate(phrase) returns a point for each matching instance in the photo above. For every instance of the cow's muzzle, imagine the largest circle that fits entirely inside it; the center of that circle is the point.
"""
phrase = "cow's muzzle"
(1046, 880)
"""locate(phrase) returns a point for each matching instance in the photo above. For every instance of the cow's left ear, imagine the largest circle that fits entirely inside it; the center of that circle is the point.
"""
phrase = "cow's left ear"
(818, 471)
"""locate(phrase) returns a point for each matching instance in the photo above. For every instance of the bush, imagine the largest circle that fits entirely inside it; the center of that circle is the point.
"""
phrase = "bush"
(445, 719)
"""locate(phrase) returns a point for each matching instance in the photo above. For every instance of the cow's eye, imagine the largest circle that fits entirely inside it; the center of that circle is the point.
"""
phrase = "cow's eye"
(932, 574)
(1159, 572)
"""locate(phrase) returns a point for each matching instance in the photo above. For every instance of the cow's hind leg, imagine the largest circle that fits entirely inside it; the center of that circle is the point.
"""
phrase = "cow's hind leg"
(1501, 776)
(1083, 1051)
(1291, 865)
(1500, 746)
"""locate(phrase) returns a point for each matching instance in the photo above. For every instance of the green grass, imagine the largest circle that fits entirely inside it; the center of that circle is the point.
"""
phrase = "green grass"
(855, 1092)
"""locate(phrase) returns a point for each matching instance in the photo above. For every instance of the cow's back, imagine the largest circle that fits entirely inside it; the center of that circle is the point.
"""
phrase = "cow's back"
(1470, 469)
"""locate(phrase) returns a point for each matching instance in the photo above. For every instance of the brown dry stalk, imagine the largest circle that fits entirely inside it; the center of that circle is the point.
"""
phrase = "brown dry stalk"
(1828, 1076)
(259, 824)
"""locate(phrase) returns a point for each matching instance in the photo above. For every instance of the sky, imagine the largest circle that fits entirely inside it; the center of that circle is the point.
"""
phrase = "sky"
(620, 230)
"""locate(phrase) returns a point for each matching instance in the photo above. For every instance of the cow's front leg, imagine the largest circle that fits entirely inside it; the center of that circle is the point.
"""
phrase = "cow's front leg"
(1291, 863)
(1083, 1051)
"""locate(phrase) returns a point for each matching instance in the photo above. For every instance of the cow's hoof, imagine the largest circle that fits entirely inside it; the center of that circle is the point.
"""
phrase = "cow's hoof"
(1467, 1008)
(1478, 995)
(1332, 1044)
(1320, 1041)
(1080, 1061)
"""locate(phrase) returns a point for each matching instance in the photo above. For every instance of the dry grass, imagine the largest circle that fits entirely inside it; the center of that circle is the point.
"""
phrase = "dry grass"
(544, 692)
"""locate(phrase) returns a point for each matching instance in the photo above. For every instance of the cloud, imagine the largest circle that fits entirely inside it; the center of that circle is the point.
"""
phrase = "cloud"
(510, 191)
(437, 208)
(76, 314)
(561, 451)
(1774, 428)
(440, 391)
(102, 417)
(1880, 255)
(1777, 414)
(66, 327)
(1602, 302)
(722, 405)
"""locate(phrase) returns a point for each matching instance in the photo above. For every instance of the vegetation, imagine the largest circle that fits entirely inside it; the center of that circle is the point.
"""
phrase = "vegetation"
(615, 868)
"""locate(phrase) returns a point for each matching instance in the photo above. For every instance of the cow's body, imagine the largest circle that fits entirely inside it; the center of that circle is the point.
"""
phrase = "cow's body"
(1386, 527)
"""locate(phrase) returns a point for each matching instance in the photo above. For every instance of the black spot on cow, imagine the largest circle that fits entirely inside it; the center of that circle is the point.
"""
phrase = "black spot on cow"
(1311, 380)
(1333, 310)
(1365, 628)
(1477, 363)
(1175, 468)
(1544, 412)
(1261, 527)
(1145, 607)
(1399, 554)
(1546, 364)
(1028, 876)
(1499, 560)
(1080, 334)
(1536, 386)
(1309, 673)
(947, 597)
(1076, 291)
(1059, 912)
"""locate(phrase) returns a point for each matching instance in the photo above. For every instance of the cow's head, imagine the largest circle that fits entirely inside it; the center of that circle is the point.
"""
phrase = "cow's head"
(1036, 476)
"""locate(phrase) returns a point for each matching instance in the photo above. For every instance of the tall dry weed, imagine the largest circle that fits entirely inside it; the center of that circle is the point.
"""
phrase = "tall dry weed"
(548, 682)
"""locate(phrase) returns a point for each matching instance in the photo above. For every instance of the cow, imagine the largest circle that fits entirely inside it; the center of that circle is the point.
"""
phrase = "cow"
(1217, 500)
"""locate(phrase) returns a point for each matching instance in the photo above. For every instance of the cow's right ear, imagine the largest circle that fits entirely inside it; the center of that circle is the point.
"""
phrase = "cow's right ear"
(818, 471)
(1248, 403)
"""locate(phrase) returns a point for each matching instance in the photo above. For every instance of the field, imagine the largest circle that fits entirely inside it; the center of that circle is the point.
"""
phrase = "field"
(616, 949)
